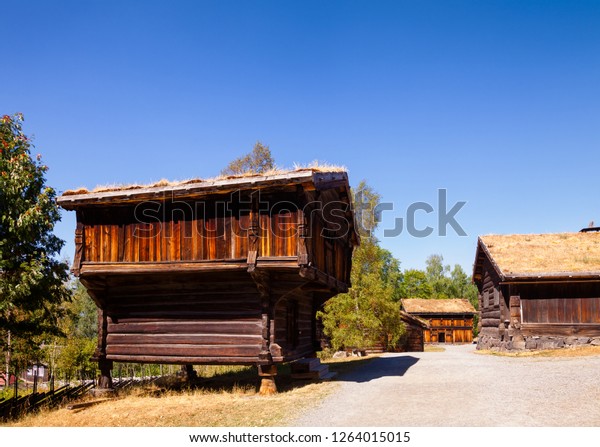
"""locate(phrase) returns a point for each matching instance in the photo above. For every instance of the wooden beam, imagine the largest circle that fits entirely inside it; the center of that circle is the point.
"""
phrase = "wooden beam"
(194, 360)
(79, 244)
(97, 268)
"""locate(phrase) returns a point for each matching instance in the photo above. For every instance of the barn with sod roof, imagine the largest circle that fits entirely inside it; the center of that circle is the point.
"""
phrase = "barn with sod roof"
(449, 320)
(224, 271)
(538, 291)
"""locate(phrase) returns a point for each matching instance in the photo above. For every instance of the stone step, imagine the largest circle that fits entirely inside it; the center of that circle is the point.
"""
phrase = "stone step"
(322, 373)
(305, 365)
(329, 376)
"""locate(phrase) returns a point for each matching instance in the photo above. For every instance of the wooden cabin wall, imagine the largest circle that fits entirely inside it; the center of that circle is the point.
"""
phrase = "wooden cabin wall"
(294, 324)
(186, 231)
(492, 303)
(163, 320)
(414, 338)
(573, 303)
(560, 309)
(541, 315)
(456, 329)
(329, 253)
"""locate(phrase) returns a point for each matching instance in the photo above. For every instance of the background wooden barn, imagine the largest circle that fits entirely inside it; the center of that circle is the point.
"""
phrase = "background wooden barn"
(450, 320)
(225, 271)
(538, 290)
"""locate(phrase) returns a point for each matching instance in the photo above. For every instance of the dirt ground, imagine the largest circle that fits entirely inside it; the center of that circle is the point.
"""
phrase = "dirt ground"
(459, 388)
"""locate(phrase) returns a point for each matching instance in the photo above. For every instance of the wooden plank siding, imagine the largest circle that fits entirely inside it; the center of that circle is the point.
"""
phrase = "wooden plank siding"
(455, 329)
(575, 303)
(185, 237)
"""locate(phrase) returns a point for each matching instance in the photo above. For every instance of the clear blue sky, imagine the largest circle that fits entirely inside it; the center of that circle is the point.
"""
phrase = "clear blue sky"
(496, 101)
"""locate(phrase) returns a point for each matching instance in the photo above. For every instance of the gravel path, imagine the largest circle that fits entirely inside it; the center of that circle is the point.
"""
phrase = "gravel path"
(458, 388)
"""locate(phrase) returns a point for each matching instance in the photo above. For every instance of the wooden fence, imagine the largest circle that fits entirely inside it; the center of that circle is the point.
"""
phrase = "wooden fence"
(11, 409)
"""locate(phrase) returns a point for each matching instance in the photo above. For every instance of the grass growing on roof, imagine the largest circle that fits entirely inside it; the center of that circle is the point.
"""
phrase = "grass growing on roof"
(313, 167)
(552, 253)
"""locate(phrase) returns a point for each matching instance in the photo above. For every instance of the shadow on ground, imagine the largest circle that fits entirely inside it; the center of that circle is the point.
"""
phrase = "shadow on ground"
(363, 370)
(377, 368)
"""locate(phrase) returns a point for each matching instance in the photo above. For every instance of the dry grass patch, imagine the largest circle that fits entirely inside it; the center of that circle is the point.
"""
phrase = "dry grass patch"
(433, 348)
(237, 408)
(225, 397)
(579, 351)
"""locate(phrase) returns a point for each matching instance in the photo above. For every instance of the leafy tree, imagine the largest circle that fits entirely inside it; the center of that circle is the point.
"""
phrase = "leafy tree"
(32, 280)
(70, 356)
(368, 314)
(415, 284)
(365, 209)
(256, 162)
(437, 277)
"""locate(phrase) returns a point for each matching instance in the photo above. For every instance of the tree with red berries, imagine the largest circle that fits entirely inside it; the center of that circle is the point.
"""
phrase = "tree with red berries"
(32, 280)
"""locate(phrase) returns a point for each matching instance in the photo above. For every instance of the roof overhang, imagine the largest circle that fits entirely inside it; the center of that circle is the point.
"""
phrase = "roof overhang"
(198, 189)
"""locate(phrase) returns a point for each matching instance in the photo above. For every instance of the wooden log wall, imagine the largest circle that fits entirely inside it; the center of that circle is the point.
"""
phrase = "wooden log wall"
(492, 303)
(329, 252)
(179, 320)
(415, 338)
(294, 326)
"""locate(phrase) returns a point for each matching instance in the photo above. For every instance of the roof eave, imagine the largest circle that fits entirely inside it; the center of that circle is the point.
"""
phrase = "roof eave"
(482, 248)
(552, 277)
(320, 181)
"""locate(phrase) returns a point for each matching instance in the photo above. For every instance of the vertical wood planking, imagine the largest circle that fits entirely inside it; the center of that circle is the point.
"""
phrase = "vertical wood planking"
(90, 246)
(576, 309)
(106, 243)
(221, 238)
(121, 242)
(187, 239)
(227, 234)
(242, 244)
(195, 239)
(211, 237)
(264, 233)
(150, 241)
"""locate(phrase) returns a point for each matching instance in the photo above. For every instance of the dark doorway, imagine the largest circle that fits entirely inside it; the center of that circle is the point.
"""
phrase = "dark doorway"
(441, 337)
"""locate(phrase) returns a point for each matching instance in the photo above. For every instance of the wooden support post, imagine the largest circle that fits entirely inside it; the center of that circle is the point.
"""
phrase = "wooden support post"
(262, 280)
(267, 374)
(188, 372)
(105, 379)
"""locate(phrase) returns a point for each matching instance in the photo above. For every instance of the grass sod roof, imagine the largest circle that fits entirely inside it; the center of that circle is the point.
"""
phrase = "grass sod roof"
(276, 172)
(437, 306)
(315, 174)
(413, 320)
(544, 255)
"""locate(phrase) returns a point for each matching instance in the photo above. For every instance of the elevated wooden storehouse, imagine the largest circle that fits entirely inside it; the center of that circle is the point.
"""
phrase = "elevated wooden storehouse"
(230, 270)
(538, 291)
(450, 320)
